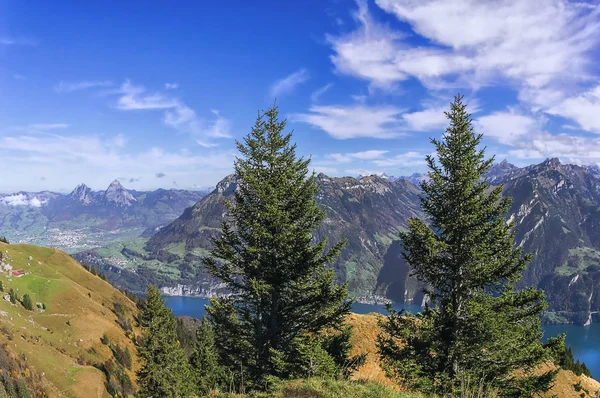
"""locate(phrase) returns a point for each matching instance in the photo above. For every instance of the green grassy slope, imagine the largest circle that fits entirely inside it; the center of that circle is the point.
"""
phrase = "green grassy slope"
(63, 342)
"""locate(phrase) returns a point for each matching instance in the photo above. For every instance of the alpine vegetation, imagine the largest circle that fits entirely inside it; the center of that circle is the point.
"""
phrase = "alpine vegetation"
(285, 318)
(479, 330)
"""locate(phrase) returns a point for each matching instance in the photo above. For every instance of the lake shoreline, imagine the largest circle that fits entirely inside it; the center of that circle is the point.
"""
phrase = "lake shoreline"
(584, 340)
(374, 300)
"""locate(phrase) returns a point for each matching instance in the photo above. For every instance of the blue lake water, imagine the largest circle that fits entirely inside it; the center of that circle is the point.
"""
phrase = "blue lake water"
(583, 340)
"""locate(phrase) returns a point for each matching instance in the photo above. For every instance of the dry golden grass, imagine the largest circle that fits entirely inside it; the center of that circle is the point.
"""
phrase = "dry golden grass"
(364, 340)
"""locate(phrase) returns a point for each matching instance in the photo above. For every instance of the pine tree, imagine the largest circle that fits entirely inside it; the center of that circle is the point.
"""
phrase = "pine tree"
(479, 329)
(165, 371)
(13, 296)
(204, 360)
(27, 302)
(284, 293)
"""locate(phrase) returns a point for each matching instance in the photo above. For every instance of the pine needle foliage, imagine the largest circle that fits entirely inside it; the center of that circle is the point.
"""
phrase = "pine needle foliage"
(479, 327)
(208, 373)
(165, 371)
(284, 293)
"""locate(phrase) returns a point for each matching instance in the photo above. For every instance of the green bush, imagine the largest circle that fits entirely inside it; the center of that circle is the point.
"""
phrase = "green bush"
(26, 302)
(122, 356)
(563, 356)
(104, 339)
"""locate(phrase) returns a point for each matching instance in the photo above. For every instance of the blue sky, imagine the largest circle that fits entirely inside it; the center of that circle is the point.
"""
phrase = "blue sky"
(155, 94)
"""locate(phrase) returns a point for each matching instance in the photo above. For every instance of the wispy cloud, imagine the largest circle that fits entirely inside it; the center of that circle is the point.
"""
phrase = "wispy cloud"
(17, 41)
(68, 87)
(583, 109)
(426, 119)
(176, 114)
(529, 44)
(404, 159)
(136, 98)
(527, 137)
(67, 160)
(288, 84)
(354, 121)
(171, 86)
(47, 126)
(324, 169)
(353, 156)
(314, 97)
(371, 121)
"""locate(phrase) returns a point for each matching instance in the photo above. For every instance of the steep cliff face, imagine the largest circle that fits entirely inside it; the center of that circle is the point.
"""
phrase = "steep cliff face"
(558, 221)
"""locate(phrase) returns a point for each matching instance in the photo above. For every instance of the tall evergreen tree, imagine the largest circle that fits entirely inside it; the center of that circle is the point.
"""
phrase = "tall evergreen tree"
(284, 293)
(165, 372)
(209, 374)
(479, 329)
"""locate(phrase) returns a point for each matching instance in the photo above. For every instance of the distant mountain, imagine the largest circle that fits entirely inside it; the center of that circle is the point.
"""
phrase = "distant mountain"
(82, 194)
(86, 218)
(366, 211)
(116, 194)
(501, 170)
(557, 215)
(555, 208)
(381, 175)
(415, 178)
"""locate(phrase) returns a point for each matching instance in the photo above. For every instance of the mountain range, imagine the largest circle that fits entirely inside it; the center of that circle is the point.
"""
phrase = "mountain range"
(555, 210)
(159, 237)
(85, 218)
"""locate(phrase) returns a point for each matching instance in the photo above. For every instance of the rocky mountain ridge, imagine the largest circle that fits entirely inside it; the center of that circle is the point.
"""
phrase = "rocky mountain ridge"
(86, 218)
(555, 209)
(365, 211)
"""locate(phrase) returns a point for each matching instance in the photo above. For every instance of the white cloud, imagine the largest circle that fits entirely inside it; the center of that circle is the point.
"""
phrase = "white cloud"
(177, 115)
(426, 119)
(584, 109)
(171, 86)
(354, 121)
(404, 159)
(507, 127)
(363, 155)
(136, 98)
(220, 127)
(527, 135)
(314, 97)
(97, 160)
(288, 84)
(532, 45)
(324, 169)
(47, 126)
(361, 120)
(21, 200)
(204, 144)
(67, 87)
